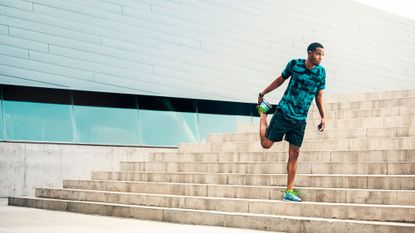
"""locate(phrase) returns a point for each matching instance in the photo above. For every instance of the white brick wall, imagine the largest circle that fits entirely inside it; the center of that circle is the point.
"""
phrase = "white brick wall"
(210, 49)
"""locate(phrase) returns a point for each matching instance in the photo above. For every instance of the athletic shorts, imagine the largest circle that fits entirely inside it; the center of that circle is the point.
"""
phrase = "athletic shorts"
(281, 126)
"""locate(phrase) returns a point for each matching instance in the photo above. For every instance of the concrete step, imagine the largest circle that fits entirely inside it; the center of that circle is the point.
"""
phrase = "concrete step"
(305, 156)
(328, 134)
(356, 123)
(370, 212)
(394, 182)
(395, 143)
(365, 108)
(362, 113)
(313, 194)
(216, 218)
(395, 94)
(373, 122)
(381, 168)
(370, 104)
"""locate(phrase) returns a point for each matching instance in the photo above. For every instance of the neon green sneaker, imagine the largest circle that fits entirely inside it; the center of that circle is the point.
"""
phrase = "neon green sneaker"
(291, 195)
(264, 106)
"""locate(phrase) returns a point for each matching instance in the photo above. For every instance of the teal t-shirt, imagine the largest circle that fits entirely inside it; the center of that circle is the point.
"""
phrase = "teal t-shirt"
(303, 87)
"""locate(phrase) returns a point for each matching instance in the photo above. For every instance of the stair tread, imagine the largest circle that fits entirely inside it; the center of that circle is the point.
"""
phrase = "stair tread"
(272, 152)
(301, 218)
(267, 162)
(271, 174)
(235, 199)
(248, 186)
(312, 140)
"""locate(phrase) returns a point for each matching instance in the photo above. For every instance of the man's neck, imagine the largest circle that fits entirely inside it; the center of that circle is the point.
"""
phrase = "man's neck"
(309, 65)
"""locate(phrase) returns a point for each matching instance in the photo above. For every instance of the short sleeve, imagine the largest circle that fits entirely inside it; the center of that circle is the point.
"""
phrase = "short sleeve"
(288, 71)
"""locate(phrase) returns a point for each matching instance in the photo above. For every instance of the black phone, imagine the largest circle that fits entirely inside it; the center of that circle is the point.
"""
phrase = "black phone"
(320, 128)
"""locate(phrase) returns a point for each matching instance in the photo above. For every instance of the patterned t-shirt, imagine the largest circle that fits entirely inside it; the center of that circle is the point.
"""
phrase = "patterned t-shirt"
(303, 87)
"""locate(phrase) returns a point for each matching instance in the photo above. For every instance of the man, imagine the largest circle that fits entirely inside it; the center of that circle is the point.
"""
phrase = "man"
(307, 82)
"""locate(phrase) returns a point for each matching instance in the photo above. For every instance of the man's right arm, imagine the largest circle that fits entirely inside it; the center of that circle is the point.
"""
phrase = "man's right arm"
(274, 85)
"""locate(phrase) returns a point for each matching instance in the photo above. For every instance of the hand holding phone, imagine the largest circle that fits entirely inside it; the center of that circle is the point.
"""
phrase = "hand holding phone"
(320, 128)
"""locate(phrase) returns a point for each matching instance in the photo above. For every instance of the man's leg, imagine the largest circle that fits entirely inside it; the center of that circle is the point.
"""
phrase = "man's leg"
(265, 142)
(290, 194)
(293, 153)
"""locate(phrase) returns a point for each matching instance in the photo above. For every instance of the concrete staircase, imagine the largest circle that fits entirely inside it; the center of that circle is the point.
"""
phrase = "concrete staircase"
(359, 176)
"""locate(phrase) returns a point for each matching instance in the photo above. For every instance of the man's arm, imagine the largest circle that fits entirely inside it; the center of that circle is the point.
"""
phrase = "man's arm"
(274, 85)
(319, 102)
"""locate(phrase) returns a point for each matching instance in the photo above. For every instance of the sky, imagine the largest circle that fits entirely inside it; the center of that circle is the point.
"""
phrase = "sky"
(404, 8)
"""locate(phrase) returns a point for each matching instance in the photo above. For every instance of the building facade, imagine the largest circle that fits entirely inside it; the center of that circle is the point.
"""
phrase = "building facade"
(161, 72)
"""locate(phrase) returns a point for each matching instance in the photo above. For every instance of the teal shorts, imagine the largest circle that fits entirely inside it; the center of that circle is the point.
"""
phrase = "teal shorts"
(283, 127)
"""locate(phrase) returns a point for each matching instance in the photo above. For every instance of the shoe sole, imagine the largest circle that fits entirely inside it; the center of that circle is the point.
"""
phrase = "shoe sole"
(287, 200)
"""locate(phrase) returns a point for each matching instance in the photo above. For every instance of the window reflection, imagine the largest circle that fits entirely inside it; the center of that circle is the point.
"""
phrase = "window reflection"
(216, 123)
(168, 128)
(30, 121)
(105, 125)
(1, 121)
(37, 121)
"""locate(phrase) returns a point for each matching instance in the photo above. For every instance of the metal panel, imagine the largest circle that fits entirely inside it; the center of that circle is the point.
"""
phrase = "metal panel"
(226, 50)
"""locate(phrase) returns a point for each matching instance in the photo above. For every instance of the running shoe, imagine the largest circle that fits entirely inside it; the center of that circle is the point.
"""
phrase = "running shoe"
(291, 196)
(264, 106)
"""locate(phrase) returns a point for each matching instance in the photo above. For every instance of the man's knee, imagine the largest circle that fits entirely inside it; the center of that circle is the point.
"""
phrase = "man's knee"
(266, 143)
(294, 151)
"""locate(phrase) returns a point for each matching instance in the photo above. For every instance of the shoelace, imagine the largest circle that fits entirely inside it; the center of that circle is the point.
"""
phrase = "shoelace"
(294, 192)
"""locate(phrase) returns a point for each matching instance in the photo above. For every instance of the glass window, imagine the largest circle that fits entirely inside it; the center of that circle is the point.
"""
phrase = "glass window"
(168, 128)
(37, 121)
(216, 123)
(256, 120)
(1, 121)
(106, 125)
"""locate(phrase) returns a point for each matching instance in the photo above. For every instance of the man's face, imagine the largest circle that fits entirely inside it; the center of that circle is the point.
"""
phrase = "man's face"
(316, 56)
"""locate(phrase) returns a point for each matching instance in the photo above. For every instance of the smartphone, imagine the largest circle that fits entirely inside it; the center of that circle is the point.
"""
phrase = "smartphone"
(320, 128)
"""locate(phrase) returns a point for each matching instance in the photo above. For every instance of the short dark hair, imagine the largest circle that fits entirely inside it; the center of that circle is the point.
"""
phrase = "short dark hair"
(313, 46)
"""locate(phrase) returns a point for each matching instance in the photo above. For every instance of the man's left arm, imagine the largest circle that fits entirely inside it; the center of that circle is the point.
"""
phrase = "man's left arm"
(319, 102)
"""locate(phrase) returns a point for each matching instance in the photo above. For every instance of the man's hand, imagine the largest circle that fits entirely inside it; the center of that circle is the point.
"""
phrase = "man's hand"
(260, 98)
(322, 125)
(319, 102)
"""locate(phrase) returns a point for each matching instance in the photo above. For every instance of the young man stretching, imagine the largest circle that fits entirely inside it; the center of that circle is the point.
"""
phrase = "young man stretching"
(308, 79)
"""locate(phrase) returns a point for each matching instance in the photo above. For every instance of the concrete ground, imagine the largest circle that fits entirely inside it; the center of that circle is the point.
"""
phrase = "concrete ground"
(23, 220)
